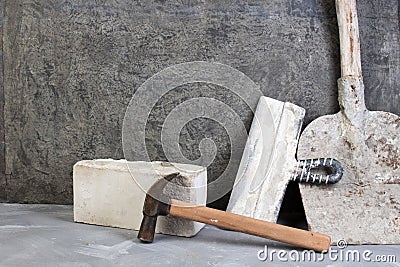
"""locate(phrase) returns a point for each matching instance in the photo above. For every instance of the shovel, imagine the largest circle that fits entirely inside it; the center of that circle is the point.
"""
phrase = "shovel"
(365, 205)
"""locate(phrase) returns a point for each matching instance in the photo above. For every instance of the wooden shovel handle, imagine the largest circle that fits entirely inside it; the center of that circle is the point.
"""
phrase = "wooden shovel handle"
(350, 58)
(239, 223)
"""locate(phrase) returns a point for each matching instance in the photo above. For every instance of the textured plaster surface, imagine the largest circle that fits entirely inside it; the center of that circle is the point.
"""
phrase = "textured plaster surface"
(70, 68)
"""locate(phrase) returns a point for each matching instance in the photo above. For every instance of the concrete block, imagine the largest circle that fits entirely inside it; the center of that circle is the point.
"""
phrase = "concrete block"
(106, 193)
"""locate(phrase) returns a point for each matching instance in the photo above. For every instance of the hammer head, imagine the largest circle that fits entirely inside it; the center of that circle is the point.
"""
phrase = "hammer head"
(156, 203)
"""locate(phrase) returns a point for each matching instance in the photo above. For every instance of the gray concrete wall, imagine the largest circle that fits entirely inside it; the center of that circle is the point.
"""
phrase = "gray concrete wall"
(2, 147)
(70, 68)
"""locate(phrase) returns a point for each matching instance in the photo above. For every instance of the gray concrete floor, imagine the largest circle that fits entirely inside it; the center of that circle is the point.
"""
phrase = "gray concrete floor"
(45, 235)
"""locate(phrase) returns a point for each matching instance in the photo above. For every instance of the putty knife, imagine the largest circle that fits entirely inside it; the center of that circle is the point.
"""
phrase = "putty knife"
(365, 205)
(268, 162)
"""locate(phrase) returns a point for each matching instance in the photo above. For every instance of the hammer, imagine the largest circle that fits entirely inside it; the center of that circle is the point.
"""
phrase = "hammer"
(157, 203)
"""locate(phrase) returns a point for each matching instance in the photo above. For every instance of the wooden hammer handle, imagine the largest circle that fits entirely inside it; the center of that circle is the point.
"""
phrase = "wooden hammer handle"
(239, 223)
(350, 58)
